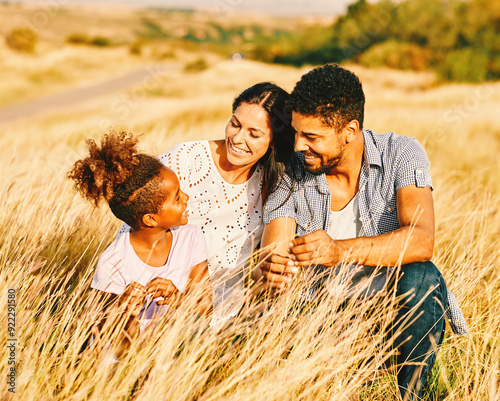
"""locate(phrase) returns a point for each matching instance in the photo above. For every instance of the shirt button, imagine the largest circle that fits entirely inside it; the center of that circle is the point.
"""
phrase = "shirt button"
(389, 209)
(419, 172)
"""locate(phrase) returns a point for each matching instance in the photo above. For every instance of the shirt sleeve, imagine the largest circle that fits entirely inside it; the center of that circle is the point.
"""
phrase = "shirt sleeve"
(123, 229)
(413, 166)
(177, 160)
(281, 202)
(190, 250)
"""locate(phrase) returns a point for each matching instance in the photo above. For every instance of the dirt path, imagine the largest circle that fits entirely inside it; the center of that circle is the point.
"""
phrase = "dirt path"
(144, 76)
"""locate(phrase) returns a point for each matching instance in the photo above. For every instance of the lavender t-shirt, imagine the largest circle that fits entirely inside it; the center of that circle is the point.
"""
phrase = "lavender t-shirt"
(119, 265)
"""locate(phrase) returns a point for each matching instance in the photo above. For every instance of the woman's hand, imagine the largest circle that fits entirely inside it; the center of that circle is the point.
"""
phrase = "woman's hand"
(199, 286)
(277, 271)
(133, 298)
(162, 287)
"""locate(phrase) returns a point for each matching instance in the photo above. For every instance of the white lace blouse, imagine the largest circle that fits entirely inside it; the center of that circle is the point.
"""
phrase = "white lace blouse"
(229, 215)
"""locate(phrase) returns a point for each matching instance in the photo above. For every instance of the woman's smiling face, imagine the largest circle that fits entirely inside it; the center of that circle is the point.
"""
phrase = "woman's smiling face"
(248, 135)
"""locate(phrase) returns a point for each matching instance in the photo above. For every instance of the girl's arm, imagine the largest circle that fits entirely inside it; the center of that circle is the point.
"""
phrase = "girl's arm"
(129, 305)
(198, 288)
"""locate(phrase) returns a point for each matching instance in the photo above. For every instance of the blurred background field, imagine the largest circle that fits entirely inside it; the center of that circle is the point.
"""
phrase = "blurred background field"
(197, 62)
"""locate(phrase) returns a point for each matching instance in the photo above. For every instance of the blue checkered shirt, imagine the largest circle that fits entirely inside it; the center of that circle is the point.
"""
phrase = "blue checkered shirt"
(390, 162)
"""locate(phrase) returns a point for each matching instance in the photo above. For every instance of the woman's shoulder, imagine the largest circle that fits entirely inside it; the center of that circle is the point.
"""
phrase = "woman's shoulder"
(185, 149)
(187, 158)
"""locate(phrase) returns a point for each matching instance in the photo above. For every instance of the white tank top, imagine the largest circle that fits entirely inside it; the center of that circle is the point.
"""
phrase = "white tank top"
(345, 223)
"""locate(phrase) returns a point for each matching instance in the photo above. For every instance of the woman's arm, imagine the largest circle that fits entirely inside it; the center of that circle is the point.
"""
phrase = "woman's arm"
(274, 261)
(199, 286)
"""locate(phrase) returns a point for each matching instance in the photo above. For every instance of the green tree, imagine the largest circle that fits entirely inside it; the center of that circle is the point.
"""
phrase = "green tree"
(430, 24)
(465, 65)
(364, 25)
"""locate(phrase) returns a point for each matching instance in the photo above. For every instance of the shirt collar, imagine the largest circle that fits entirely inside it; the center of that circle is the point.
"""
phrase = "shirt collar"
(311, 180)
(371, 154)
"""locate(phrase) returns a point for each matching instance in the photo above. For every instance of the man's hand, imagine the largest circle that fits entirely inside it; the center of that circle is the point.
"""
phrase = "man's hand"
(316, 248)
(161, 287)
(278, 270)
(133, 298)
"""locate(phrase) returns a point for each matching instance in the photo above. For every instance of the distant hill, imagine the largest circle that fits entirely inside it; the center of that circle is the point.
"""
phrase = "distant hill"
(275, 7)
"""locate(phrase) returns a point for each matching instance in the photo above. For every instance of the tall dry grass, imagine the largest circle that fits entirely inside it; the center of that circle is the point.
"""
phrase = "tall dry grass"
(50, 240)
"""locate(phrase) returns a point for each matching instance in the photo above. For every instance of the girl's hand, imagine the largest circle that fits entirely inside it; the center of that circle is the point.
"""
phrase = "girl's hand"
(161, 287)
(133, 298)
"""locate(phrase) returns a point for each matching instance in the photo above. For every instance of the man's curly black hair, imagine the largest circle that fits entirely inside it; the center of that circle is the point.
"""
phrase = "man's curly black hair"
(332, 93)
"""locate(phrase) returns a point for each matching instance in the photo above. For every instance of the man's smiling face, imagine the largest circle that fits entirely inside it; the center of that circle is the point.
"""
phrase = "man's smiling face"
(322, 147)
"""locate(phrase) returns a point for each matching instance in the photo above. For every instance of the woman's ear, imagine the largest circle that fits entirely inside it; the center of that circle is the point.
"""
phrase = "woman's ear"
(149, 220)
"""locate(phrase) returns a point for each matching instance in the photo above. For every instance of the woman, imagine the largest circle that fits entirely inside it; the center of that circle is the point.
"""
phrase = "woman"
(228, 181)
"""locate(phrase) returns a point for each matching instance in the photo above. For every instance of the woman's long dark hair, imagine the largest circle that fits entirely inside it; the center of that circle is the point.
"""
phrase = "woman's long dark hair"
(280, 158)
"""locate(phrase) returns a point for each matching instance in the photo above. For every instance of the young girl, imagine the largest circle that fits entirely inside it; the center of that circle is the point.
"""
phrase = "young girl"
(159, 257)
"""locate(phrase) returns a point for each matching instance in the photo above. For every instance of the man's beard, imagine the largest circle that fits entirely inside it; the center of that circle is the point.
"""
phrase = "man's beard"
(326, 165)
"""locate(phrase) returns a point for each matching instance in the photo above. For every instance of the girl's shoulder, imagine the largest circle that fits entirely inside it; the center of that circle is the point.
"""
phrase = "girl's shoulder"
(112, 267)
(117, 251)
(189, 247)
(187, 231)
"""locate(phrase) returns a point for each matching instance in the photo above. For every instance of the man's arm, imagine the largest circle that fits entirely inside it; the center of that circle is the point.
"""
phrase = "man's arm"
(412, 242)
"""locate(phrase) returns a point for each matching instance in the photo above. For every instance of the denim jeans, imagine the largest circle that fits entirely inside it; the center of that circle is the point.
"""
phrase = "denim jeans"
(416, 351)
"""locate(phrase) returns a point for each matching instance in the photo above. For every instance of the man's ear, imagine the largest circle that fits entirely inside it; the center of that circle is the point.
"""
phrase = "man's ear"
(149, 220)
(351, 130)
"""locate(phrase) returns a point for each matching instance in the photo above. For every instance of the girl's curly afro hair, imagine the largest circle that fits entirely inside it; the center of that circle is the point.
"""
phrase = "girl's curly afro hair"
(128, 181)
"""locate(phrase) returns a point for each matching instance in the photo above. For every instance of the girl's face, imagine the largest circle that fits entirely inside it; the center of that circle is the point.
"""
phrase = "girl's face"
(248, 135)
(172, 213)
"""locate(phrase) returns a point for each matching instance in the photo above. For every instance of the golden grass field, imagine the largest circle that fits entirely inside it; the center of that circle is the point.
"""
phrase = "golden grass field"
(50, 240)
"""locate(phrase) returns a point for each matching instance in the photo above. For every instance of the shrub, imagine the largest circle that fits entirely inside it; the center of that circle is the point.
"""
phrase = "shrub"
(394, 54)
(196, 66)
(135, 48)
(100, 41)
(322, 55)
(494, 66)
(465, 65)
(78, 39)
(22, 39)
(160, 53)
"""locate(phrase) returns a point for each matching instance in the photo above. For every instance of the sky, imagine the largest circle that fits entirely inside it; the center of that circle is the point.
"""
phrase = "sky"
(273, 7)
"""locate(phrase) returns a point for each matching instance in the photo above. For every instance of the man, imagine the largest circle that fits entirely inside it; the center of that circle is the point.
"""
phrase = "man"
(362, 198)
